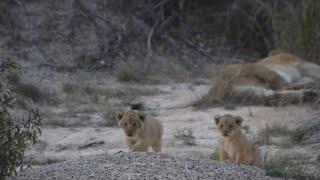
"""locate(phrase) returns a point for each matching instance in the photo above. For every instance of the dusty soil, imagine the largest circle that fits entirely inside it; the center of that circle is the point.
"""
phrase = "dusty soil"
(172, 105)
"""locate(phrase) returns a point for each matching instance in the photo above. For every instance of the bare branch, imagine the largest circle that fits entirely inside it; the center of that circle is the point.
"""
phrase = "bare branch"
(149, 43)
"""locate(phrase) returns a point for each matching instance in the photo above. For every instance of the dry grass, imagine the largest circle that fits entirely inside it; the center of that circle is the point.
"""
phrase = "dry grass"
(297, 28)
(159, 68)
(288, 137)
(130, 71)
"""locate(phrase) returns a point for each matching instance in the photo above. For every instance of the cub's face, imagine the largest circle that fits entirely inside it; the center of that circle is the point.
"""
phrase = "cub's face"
(131, 122)
(228, 125)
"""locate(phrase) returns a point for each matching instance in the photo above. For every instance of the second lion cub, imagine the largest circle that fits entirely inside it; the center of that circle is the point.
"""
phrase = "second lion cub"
(142, 131)
(233, 144)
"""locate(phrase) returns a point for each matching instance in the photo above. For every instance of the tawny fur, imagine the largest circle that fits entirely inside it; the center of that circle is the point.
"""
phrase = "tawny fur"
(233, 144)
(278, 74)
(142, 131)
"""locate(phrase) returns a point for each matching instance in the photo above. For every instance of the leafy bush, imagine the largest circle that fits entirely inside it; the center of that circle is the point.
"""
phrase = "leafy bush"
(15, 134)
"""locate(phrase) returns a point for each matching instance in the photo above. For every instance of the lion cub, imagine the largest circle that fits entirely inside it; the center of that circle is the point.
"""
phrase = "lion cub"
(141, 130)
(233, 144)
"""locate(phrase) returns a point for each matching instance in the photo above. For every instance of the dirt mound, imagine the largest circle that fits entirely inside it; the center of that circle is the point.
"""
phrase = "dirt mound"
(142, 166)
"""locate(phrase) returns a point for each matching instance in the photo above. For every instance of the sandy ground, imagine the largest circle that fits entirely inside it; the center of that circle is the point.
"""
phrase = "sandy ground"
(172, 106)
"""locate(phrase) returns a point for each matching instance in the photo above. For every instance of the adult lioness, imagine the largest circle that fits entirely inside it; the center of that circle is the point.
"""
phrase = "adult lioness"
(280, 76)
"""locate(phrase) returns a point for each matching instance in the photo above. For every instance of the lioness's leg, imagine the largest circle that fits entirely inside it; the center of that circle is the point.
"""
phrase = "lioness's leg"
(303, 84)
(269, 78)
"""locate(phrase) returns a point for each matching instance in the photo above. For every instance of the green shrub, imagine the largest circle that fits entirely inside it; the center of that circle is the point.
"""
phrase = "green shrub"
(186, 135)
(289, 167)
(215, 156)
(15, 134)
(279, 166)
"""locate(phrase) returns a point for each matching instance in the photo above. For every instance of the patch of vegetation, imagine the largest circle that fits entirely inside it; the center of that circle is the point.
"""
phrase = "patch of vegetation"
(276, 130)
(215, 156)
(285, 143)
(88, 61)
(130, 71)
(230, 100)
(158, 68)
(109, 115)
(41, 162)
(69, 88)
(296, 136)
(15, 134)
(229, 106)
(186, 135)
(289, 167)
(26, 90)
(299, 33)
(29, 91)
(289, 137)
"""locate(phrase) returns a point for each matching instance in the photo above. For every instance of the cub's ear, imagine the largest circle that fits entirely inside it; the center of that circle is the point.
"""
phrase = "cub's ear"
(120, 115)
(142, 116)
(217, 118)
(238, 120)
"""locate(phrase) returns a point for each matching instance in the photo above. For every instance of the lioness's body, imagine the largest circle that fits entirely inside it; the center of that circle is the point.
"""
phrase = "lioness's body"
(278, 73)
(233, 144)
(142, 131)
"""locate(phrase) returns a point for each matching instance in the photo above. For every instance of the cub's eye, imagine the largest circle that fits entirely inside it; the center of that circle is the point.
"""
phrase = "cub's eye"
(230, 126)
(125, 124)
(221, 126)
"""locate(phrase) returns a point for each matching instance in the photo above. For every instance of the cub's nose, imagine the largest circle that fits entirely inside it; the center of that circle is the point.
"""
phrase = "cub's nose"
(225, 133)
(129, 134)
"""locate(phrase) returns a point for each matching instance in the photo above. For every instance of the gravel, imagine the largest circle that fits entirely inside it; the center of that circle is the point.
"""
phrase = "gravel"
(140, 166)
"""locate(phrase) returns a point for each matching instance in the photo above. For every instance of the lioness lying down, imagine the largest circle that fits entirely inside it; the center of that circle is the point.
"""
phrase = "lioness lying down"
(280, 76)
